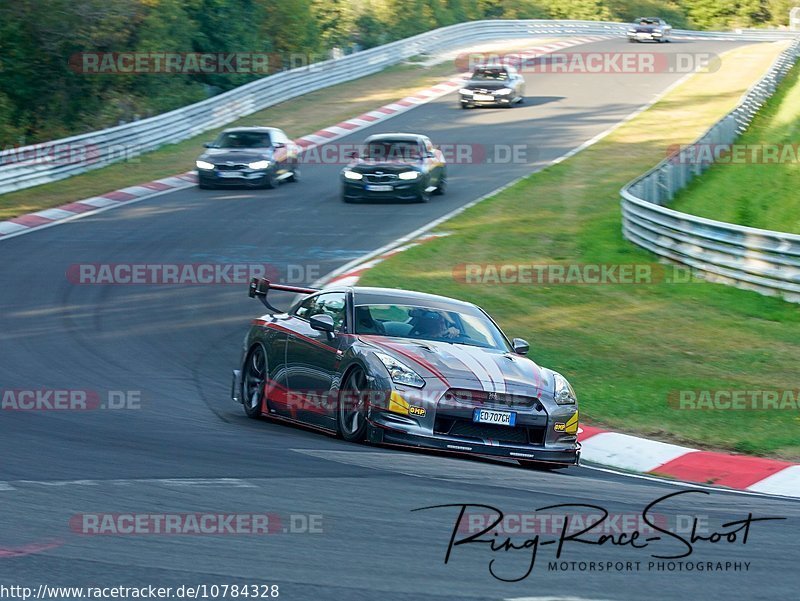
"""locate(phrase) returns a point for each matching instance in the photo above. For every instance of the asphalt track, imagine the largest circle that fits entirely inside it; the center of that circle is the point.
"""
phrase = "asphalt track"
(189, 449)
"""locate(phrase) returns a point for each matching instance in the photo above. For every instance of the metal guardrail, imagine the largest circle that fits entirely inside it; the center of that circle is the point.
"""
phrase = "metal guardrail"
(761, 260)
(63, 158)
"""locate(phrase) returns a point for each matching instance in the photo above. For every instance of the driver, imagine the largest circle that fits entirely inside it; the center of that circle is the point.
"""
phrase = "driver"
(434, 325)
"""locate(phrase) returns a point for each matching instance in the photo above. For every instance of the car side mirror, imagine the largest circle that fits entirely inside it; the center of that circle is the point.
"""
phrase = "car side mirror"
(352, 155)
(521, 347)
(322, 323)
(208, 145)
(279, 145)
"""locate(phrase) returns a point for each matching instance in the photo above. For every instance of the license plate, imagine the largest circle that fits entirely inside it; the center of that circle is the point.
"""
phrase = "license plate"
(483, 97)
(384, 188)
(501, 418)
(231, 174)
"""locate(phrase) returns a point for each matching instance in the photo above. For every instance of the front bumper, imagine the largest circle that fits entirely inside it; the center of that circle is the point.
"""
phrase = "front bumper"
(406, 190)
(645, 35)
(245, 177)
(470, 100)
(383, 435)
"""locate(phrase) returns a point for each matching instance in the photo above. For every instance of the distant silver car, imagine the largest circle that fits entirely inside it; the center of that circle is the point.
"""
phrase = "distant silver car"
(493, 85)
(649, 28)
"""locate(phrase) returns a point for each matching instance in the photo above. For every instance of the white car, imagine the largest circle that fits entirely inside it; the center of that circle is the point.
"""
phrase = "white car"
(649, 28)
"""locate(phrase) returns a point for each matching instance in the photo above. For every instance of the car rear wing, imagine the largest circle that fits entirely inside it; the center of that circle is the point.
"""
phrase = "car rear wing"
(260, 287)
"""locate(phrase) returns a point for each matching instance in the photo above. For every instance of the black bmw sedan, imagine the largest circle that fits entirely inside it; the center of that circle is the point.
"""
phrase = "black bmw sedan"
(395, 167)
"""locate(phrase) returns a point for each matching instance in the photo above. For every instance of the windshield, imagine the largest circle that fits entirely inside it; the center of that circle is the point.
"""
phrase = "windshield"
(497, 74)
(243, 139)
(406, 321)
(392, 150)
(647, 21)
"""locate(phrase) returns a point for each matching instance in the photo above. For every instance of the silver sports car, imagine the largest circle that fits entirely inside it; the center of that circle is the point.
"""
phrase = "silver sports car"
(399, 367)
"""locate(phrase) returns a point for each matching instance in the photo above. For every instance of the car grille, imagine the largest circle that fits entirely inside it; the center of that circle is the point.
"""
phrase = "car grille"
(384, 178)
(472, 397)
(463, 428)
(226, 167)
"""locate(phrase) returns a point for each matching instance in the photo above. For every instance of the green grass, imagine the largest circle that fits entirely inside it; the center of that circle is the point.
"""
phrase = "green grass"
(763, 195)
(625, 347)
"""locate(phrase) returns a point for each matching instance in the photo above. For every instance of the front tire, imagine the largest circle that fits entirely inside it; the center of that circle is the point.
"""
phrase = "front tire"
(295, 177)
(441, 188)
(254, 378)
(271, 182)
(352, 409)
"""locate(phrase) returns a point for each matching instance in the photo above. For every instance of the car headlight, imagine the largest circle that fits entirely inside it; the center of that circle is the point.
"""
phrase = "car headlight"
(352, 174)
(631, 31)
(204, 165)
(409, 175)
(466, 92)
(259, 164)
(503, 92)
(564, 395)
(400, 372)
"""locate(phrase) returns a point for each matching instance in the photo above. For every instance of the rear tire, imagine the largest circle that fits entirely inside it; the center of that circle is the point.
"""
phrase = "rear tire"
(254, 378)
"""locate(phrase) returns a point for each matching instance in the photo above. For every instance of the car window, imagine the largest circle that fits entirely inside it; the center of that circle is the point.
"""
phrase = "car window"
(490, 74)
(423, 323)
(392, 150)
(243, 139)
(330, 303)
